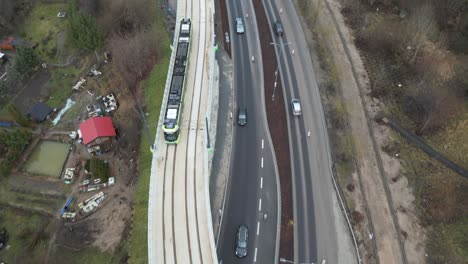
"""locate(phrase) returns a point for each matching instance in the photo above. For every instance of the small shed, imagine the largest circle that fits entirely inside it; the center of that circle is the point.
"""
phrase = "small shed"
(39, 112)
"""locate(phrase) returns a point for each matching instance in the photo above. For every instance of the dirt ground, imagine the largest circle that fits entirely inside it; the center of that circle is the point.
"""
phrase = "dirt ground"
(376, 198)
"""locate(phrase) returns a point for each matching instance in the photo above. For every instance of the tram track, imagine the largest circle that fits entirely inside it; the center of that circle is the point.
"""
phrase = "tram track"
(181, 202)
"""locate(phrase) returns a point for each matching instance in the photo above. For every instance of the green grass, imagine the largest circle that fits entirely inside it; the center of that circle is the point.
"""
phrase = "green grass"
(19, 225)
(41, 26)
(154, 90)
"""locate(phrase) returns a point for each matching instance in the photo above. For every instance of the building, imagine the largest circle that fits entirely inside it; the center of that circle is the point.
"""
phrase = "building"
(39, 112)
(97, 133)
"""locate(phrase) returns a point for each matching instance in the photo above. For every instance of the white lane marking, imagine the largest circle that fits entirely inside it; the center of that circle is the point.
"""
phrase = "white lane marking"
(260, 204)
(258, 227)
(263, 144)
(261, 182)
(255, 255)
(262, 162)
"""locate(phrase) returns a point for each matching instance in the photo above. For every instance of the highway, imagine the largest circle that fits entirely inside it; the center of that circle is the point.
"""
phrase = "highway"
(252, 190)
(315, 235)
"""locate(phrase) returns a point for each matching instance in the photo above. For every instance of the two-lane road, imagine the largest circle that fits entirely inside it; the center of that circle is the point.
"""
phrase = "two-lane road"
(252, 191)
(315, 235)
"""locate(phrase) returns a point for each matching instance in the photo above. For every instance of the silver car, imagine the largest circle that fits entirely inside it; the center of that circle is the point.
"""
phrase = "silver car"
(239, 26)
(296, 107)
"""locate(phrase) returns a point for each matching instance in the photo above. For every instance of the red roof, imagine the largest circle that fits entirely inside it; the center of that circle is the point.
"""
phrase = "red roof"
(96, 127)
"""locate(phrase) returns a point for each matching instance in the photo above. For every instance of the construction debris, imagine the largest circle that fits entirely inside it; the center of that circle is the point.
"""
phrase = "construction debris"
(92, 203)
(69, 174)
(79, 84)
(110, 103)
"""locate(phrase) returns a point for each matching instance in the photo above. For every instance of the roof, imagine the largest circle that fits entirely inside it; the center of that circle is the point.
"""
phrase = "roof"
(96, 127)
(39, 112)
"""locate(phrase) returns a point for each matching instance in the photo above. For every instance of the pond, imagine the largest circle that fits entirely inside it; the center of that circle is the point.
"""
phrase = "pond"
(47, 158)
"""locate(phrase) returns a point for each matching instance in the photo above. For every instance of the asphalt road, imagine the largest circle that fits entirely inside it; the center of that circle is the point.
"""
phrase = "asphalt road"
(315, 235)
(252, 189)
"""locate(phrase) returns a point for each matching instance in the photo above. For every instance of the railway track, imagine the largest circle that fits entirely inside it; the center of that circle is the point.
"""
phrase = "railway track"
(182, 224)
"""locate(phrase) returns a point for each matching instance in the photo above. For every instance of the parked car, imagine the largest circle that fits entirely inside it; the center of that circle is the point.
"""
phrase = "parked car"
(278, 28)
(242, 240)
(296, 107)
(239, 26)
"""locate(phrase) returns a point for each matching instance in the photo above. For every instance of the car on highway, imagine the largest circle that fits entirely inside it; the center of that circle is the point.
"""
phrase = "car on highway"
(242, 240)
(239, 26)
(242, 117)
(278, 28)
(296, 107)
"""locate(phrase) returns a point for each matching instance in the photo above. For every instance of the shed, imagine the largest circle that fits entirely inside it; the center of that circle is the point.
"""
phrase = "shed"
(97, 130)
(39, 112)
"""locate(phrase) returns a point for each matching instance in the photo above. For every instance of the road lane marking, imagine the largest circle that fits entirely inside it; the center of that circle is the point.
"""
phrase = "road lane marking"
(260, 205)
(261, 182)
(255, 255)
(263, 144)
(258, 227)
(262, 162)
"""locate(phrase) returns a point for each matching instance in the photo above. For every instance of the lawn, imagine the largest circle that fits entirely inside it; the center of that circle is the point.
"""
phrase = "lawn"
(20, 226)
(154, 90)
(41, 27)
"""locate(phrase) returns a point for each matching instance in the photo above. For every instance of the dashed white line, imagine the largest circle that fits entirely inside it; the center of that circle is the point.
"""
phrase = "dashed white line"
(262, 162)
(258, 228)
(260, 204)
(261, 182)
(263, 144)
(255, 255)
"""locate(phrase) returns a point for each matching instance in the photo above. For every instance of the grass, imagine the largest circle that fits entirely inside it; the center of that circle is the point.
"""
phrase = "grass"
(154, 90)
(19, 225)
(42, 26)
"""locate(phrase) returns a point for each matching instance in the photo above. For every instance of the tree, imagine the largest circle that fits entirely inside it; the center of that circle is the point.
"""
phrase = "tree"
(420, 29)
(84, 30)
(124, 17)
(135, 54)
(17, 115)
(26, 59)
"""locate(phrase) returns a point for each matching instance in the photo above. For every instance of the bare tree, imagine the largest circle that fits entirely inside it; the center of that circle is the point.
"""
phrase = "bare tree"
(134, 55)
(431, 104)
(420, 29)
(125, 17)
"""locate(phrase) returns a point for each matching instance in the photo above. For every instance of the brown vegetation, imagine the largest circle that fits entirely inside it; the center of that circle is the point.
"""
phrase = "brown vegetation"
(415, 53)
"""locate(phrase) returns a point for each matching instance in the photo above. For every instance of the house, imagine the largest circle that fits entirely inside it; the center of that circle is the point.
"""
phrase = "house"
(97, 133)
(39, 112)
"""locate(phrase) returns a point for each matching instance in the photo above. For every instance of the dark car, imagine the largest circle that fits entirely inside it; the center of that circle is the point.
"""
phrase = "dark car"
(242, 241)
(242, 117)
(279, 28)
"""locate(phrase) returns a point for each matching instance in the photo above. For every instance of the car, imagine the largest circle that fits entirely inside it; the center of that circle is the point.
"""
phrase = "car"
(296, 107)
(239, 26)
(279, 28)
(242, 240)
(242, 117)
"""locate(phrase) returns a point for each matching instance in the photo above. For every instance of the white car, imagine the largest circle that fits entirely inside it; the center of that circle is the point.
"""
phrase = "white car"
(239, 26)
(296, 107)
